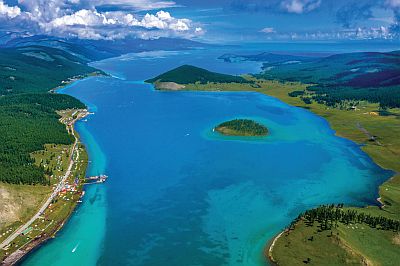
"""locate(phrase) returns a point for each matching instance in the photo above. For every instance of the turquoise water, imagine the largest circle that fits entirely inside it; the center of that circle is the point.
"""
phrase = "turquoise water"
(179, 194)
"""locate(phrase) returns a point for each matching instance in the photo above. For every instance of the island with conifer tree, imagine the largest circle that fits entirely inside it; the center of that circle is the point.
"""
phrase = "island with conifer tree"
(242, 127)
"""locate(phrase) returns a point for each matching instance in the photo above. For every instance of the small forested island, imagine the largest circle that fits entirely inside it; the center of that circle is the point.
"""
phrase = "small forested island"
(242, 127)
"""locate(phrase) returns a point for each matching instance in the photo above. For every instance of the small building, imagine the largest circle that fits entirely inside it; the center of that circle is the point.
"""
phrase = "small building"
(26, 231)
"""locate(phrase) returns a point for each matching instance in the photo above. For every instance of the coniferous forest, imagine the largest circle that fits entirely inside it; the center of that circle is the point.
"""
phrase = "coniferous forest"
(28, 117)
(188, 74)
(26, 124)
(244, 127)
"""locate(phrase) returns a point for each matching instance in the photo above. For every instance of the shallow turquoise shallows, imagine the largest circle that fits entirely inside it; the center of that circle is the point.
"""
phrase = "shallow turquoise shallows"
(180, 194)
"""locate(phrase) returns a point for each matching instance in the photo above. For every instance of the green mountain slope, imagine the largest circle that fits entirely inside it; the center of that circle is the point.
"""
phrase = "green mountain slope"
(28, 118)
(368, 76)
(27, 69)
(188, 74)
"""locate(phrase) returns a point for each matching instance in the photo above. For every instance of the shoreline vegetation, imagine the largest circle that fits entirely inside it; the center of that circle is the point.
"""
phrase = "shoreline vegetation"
(63, 200)
(242, 127)
(331, 221)
(368, 124)
(44, 165)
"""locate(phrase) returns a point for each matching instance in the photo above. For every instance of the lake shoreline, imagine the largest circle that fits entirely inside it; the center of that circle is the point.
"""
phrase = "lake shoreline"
(18, 256)
(291, 105)
(379, 200)
(268, 249)
(270, 246)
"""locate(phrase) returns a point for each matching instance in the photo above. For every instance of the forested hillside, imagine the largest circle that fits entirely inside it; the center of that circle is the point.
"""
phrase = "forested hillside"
(265, 57)
(188, 74)
(372, 76)
(26, 124)
(28, 117)
(37, 69)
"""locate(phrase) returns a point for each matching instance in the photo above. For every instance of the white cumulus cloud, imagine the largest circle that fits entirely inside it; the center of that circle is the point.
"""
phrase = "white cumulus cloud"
(82, 18)
(300, 6)
(110, 25)
(9, 11)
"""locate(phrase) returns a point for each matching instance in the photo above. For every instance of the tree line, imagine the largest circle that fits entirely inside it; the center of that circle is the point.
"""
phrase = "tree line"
(328, 216)
(387, 97)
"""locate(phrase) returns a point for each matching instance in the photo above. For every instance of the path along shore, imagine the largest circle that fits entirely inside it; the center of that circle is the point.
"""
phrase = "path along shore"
(18, 254)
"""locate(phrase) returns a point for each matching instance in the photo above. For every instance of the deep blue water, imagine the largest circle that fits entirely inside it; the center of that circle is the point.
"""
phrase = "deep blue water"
(179, 194)
(324, 47)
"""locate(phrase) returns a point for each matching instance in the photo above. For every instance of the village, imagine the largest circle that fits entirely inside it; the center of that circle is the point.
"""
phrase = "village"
(66, 169)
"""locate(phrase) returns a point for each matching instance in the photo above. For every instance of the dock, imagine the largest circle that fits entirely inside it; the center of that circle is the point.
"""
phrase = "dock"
(95, 179)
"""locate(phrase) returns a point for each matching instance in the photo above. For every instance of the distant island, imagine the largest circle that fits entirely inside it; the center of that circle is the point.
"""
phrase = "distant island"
(242, 127)
(178, 78)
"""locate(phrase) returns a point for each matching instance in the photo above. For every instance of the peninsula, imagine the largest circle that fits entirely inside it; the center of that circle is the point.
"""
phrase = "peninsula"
(178, 78)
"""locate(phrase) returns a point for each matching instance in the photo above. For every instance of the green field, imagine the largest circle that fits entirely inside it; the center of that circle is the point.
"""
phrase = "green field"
(303, 244)
(54, 159)
(356, 241)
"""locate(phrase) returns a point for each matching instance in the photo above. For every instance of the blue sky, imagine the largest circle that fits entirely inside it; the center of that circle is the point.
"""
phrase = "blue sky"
(213, 21)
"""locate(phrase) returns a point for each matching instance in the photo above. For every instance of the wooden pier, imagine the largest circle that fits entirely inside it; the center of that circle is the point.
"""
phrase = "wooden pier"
(95, 179)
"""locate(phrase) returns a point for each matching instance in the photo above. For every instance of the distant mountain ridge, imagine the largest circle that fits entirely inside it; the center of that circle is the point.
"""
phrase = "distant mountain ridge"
(377, 69)
(264, 57)
(372, 76)
(93, 50)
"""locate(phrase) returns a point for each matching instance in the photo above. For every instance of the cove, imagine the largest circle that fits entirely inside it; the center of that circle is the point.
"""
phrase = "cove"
(177, 194)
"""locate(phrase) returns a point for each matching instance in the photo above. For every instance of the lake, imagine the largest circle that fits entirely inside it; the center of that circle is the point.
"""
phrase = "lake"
(180, 194)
